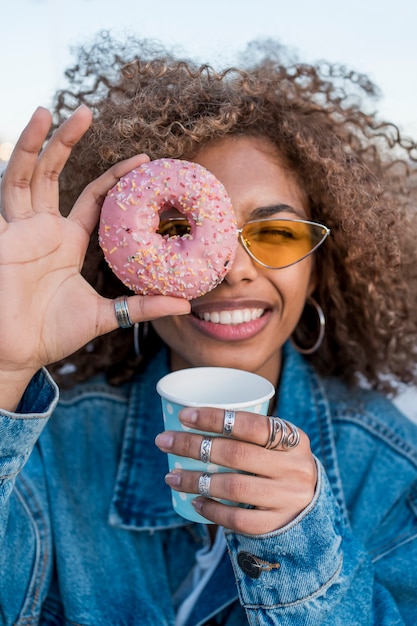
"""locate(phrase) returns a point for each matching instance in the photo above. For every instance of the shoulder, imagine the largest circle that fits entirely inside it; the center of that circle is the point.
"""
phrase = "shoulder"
(373, 413)
(376, 449)
(377, 458)
(94, 388)
(93, 405)
(327, 408)
(102, 403)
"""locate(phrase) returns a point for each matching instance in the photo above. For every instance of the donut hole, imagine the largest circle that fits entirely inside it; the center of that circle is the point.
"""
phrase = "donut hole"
(172, 223)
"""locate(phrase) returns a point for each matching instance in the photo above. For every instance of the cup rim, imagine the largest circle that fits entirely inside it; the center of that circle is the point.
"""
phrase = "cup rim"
(223, 405)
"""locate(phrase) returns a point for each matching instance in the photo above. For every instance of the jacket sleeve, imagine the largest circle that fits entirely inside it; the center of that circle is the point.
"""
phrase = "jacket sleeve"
(19, 432)
(314, 572)
(25, 537)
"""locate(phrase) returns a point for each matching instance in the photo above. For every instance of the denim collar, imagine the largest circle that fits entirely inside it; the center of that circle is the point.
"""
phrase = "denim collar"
(302, 399)
(142, 501)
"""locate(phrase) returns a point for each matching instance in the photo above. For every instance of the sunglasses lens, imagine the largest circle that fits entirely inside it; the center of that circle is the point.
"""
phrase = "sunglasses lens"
(174, 227)
(279, 243)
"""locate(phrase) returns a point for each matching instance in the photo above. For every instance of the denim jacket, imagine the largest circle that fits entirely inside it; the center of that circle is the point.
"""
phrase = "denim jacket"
(89, 536)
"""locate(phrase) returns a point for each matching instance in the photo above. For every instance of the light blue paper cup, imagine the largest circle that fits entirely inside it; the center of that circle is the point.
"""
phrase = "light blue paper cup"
(219, 387)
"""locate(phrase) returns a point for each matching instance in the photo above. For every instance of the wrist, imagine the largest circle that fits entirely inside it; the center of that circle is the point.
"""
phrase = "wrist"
(13, 384)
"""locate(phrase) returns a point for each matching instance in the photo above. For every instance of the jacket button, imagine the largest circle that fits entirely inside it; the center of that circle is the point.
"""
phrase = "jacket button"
(249, 564)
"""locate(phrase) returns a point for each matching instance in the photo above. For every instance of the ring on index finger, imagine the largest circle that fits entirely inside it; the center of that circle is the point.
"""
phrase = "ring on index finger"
(228, 423)
(282, 433)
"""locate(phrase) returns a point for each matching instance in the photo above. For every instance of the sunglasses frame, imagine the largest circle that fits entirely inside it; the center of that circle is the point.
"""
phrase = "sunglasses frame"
(282, 219)
(271, 219)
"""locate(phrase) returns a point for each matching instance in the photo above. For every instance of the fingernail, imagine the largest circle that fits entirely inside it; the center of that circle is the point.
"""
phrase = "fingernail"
(164, 441)
(173, 479)
(197, 504)
(188, 416)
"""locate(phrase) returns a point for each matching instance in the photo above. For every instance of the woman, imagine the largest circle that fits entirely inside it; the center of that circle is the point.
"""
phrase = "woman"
(89, 533)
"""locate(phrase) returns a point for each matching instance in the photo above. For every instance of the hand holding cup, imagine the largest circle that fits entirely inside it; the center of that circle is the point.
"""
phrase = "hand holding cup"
(225, 388)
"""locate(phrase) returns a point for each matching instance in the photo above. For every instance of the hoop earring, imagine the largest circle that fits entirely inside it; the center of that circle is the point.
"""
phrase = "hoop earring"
(140, 332)
(322, 329)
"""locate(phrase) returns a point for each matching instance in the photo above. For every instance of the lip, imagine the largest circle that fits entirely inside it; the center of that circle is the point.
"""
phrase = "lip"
(230, 329)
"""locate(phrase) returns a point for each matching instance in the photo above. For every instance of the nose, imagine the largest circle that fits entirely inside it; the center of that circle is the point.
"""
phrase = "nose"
(243, 267)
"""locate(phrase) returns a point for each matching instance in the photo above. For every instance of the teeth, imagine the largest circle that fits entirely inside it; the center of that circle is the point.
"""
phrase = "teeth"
(237, 316)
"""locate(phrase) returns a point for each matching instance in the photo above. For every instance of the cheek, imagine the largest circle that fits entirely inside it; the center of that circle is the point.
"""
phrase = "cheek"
(294, 282)
(294, 285)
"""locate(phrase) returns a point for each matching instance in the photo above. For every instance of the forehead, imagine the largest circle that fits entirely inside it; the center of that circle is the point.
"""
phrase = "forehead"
(254, 175)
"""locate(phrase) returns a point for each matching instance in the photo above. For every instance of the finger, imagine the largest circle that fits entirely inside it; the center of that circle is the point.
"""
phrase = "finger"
(240, 455)
(141, 308)
(230, 453)
(45, 188)
(86, 210)
(16, 198)
(240, 519)
(30, 183)
(235, 487)
(247, 426)
(278, 501)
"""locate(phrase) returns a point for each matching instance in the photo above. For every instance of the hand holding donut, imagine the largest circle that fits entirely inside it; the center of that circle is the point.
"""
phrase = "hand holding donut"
(48, 309)
(281, 471)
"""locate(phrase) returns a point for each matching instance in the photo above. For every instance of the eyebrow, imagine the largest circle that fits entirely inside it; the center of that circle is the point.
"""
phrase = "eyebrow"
(268, 211)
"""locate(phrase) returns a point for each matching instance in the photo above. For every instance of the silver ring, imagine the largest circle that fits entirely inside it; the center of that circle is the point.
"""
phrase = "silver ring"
(293, 438)
(205, 449)
(228, 423)
(122, 312)
(276, 427)
(282, 433)
(204, 485)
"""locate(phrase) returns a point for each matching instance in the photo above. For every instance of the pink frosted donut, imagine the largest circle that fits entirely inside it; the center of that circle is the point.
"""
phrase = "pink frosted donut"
(147, 262)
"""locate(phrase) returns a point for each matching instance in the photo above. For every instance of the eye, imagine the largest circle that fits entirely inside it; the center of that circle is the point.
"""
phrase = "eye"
(173, 227)
(280, 233)
(285, 233)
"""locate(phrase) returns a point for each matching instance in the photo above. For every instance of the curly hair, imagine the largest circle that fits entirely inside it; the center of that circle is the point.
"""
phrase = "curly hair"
(358, 174)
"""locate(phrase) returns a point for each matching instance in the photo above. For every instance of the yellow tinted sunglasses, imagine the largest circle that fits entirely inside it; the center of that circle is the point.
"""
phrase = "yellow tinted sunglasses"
(277, 243)
(274, 243)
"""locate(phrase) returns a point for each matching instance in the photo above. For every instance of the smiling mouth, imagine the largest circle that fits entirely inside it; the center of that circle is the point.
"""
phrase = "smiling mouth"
(233, 316)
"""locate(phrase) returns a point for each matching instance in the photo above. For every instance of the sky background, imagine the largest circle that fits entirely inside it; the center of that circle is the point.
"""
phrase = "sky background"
(376, 37)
